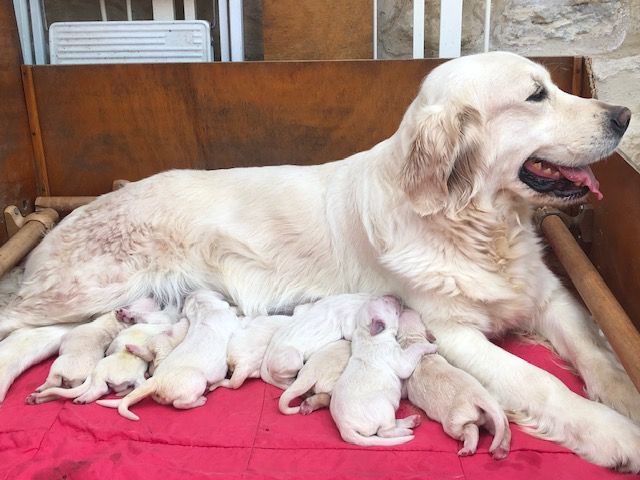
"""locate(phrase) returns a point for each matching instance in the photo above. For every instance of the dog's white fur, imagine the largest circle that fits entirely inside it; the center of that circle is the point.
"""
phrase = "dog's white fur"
(452, 397)
(199, 361)
(119, 371)
(435, 214)
(319, 374)
(156, 348)
(80, 351)
(247, 347)
(313, 327)
(367, 394)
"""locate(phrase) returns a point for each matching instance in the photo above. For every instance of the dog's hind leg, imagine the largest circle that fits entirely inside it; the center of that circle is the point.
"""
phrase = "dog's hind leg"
(26, 347)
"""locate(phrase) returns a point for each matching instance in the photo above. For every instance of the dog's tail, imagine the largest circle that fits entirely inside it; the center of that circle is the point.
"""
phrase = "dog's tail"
(143, 391)
(354, 437)
(301, 386)
(59, 392)
(500, 445)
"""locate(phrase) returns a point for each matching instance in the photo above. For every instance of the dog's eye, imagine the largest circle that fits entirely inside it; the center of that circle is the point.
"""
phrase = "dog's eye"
(539, 95)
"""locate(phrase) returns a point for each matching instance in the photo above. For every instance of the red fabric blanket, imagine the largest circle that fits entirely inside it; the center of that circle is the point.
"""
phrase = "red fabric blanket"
(241, 434)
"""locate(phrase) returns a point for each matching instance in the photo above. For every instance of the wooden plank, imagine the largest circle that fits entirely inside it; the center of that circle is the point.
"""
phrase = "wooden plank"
(616, 232)
(42, 177)
(17, 174)
(312, 30)
(101, 122)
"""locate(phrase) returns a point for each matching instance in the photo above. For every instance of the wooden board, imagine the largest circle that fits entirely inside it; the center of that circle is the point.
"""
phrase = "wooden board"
(103, 122)
(313, 30)
(616, 239)
(17, 173)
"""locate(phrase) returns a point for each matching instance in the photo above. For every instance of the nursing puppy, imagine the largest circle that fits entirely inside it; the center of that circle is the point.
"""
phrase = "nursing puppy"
(314, 326)
(156, 348)
(453, 397)
(147, 310)
(247, 348)
(199, 361)
(366, 396)
(80, 351)
(320, 374)
(118, 371)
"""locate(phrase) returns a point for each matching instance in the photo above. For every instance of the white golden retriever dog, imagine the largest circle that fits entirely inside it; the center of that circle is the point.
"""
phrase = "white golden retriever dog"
(438, 214)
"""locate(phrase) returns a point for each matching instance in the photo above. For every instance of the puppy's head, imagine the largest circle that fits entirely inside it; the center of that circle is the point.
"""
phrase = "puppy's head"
(380, 315)
(496, 122)
(200, 303)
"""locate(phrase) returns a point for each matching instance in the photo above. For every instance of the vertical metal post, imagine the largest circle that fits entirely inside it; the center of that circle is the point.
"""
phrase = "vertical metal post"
(223, 22)
(375, 29)
(418, 28)
(21, 9)
(236, 30)
(163, 10)
(37, 27)
(487, 24)
(450, 28)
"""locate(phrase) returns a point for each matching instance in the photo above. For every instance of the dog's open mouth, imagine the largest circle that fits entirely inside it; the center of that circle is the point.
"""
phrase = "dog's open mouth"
(565, 182)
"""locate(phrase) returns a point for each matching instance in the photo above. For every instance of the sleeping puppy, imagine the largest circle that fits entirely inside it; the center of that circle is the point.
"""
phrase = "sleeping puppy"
(247, 348)
(366, 396)
(453, 397)
(156, 348)
(313, 327)
(198, 361)
(147, 310)
(80, 351)
(320, 374)
(118, 371)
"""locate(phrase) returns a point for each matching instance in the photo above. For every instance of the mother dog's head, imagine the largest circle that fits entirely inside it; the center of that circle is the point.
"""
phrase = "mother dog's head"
(495, 122)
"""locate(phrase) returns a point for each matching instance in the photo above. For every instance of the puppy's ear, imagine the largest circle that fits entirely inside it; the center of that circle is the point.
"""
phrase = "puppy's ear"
(444, 161)
(377, 326)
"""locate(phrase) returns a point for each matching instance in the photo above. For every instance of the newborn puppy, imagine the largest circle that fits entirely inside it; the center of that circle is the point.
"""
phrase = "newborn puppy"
(247, 347)
(313, 327)
(367, 395)
(80, 351)
(118, 371)
(200, 360)
(147, 310)
(320, 373)
(453, 397)
(156, 348)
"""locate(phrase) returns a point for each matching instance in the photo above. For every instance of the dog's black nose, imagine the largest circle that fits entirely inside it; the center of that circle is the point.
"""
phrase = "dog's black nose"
(620, 118)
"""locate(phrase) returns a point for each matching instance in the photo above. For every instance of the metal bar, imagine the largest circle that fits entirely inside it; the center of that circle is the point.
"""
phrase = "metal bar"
(375, 29)
(607, 312)
(163, 10)
(103, 11)
(189, 9)
(418, 28)
(223, 21)
(487, 25)
(39, 37)
(236, 30)
(450, 28)
(21, 9)
(129, 11)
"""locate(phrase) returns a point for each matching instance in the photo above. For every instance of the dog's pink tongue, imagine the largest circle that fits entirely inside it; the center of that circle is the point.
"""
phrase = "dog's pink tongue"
(582, 176)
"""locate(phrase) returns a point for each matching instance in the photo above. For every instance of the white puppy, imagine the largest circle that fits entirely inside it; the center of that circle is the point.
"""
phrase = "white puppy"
(156, 348)
(199, 361)
(118, 371)
(247, 347)
(320, 374)
(367, 395)
(147, 310)
(453, 397)
(314, 326)
(80, 351)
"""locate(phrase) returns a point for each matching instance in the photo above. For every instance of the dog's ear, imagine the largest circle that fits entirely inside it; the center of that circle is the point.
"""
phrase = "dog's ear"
(444, 160)
(377, 326)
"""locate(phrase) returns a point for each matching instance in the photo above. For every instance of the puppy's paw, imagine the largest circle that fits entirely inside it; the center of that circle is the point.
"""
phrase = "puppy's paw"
(306, 408)
(465, 452)
(499, 453)
(124, 315)
(31, 399)
(413, 421)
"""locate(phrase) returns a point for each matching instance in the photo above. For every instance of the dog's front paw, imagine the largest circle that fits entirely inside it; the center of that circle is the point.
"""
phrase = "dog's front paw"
(615, 389)
(124, 315)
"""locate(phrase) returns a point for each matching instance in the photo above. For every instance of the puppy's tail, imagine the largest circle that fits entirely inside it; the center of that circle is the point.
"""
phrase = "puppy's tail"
(354, 437)
(301, 386)
(149, 387)
(500, 445)
(59, 392)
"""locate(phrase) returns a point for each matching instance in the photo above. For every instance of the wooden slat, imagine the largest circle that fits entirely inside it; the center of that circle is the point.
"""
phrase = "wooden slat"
(101, 122)
(36, 135)
(17, 173)
(313, 30)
